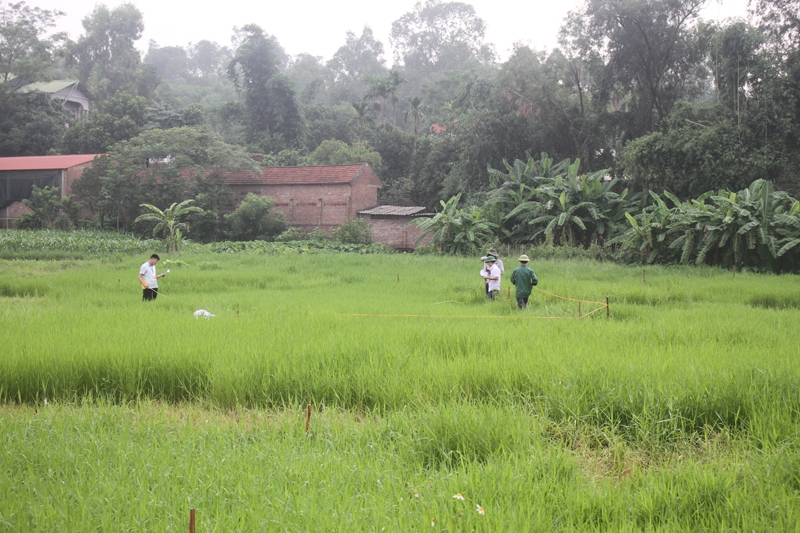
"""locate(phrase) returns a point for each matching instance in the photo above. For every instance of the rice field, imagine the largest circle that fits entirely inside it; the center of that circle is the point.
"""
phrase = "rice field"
(431, 408)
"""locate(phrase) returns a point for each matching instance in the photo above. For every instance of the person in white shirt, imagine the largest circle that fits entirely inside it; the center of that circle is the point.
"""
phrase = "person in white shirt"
(148, 277)
(497, 261)
(491, 277)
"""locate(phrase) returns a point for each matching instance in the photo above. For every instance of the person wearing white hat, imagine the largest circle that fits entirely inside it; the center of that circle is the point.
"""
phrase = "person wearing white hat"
(524, 279)
(491, 277)
(497, 261)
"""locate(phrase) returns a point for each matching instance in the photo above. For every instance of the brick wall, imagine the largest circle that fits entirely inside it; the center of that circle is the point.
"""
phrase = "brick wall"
(397, 232)
(70, 175)
(11, 213)
(318, 206)
(364, 191)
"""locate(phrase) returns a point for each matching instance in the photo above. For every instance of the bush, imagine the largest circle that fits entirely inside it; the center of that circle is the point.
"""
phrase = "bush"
(318, 235)
(253, 219)
(291, 234)
(356, 231)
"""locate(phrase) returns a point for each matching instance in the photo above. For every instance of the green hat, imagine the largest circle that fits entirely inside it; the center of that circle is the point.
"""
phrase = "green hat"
(489, 259)
(523, 258)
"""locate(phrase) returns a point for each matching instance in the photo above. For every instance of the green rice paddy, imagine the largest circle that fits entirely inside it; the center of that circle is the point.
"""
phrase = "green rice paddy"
(679, 412)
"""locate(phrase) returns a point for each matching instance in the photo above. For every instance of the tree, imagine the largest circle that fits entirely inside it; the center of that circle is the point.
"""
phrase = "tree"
(395, 81)
(438, 36)
(358, 58)
(123, 118)
(417, 111)
(48, 210)
(333, 152)
(157, 167)
(652, 49)
(207, 59)
(272, 116)
(380, 88)
(780, 20)
(106, 57)
(25, 51)
(31, 123)
(168, 221)
(363, 115)
(213, 195)
(171, 62)
(253, 219)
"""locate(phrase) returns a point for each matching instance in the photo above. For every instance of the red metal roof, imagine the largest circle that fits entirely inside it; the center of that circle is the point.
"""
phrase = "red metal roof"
(339, 174)
(44, 162)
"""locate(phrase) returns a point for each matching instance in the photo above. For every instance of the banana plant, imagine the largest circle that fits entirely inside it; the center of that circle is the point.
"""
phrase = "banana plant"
(457, 231)
(651, 231)
(168, 221)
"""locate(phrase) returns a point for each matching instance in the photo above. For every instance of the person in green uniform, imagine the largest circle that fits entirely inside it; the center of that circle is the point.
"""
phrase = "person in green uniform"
(524, 279)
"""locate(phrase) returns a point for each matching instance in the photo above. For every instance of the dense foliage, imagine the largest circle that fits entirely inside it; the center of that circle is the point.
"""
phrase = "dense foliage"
(641, 96)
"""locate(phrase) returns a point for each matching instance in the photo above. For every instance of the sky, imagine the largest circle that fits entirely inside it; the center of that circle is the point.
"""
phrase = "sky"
(318, 27)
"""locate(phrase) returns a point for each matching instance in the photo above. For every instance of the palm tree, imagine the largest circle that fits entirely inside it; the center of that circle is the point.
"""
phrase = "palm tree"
(395, 80)
(379, 87)
(418, 111)
(363, 116)
(168, 221)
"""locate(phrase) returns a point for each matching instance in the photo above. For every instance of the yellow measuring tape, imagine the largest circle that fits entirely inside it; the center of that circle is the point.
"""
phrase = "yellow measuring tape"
(603, 305)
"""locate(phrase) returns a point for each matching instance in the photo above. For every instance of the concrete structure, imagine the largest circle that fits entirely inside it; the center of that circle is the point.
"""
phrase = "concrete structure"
(323, 197)
(73, 95)
(18, 175)
(391, 225)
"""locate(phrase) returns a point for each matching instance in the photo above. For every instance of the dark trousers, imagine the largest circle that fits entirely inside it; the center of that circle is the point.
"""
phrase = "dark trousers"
(149, 294)
(522, 303)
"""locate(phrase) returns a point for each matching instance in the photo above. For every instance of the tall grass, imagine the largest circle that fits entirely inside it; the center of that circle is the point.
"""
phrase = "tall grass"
(679, 412)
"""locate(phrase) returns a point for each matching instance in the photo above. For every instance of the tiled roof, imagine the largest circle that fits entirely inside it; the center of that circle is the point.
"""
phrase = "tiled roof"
(45, 162)
(296, 175)
(393, 210)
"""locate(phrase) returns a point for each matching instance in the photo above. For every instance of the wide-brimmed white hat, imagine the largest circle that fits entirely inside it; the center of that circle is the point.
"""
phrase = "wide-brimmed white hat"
(523, 258)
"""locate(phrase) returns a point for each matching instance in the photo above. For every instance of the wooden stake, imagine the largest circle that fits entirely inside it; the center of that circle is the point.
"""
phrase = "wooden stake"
(509, 292)
(192, 519)
(579, 310)
(734, 271)
(643, 275)
(608, 309)
(308, 417)
(398, 277)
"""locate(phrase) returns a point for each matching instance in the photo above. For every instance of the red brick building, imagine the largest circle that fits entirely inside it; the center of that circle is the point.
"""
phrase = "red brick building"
(18, 175)
(391, 225)
(322, 197)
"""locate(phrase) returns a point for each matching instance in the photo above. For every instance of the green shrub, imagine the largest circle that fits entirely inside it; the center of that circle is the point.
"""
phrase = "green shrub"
(356, 231)
(253, 219)
(318, 235)
(291, 234)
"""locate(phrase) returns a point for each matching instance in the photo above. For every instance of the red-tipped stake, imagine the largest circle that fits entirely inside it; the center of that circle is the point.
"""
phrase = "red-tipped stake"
(308, 417)
(192, 519)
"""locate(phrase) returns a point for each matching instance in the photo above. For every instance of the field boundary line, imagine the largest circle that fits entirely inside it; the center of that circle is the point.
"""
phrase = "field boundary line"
(571, 299)
(466, 316)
